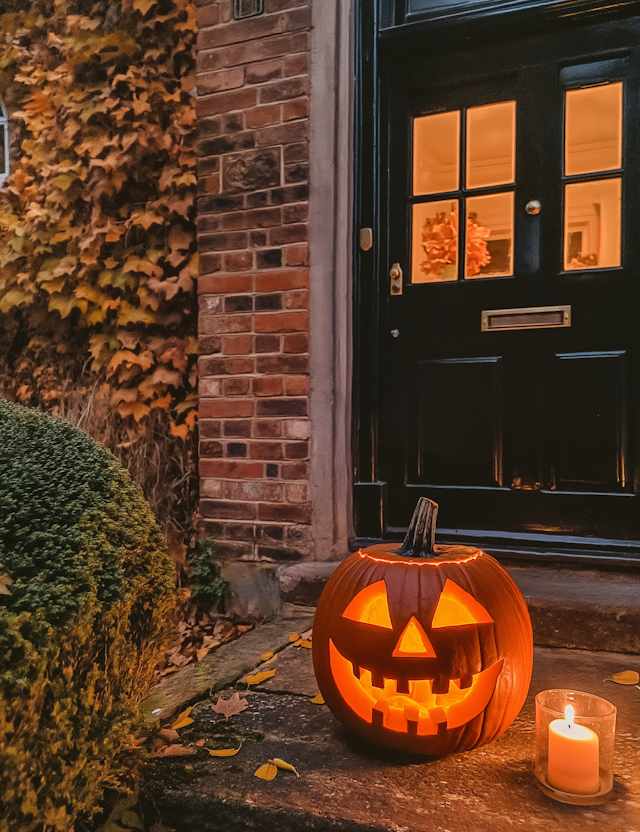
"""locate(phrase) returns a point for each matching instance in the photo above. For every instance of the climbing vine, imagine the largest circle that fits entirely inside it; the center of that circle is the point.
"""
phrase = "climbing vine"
(97, 220)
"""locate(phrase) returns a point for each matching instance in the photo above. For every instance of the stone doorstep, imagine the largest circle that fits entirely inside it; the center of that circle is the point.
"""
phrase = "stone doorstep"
(348, 786)
(572, 608)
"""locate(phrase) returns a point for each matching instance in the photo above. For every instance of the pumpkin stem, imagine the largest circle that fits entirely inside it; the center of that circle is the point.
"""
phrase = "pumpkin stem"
(421, 535)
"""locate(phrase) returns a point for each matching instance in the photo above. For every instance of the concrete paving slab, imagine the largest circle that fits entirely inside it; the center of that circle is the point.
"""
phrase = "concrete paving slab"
(224, 666)
(349, 786)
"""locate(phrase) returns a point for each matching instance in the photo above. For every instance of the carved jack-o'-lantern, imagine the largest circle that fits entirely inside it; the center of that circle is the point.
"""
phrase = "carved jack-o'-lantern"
(424, 648)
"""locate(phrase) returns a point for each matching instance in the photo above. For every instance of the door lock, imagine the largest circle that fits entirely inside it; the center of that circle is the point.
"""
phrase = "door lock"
(396, 279)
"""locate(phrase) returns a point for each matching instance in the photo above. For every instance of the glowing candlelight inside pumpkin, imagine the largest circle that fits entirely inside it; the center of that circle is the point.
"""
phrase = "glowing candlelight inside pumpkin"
(574, 754)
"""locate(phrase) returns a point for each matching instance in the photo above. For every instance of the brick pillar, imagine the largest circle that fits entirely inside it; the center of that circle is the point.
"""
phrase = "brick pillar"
(253, 128)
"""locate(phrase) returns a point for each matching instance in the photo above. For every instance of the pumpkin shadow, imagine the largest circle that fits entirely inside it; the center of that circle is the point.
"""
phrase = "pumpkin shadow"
(379, 753)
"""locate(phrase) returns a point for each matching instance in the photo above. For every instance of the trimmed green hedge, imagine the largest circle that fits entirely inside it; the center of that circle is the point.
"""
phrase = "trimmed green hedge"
(84, 621)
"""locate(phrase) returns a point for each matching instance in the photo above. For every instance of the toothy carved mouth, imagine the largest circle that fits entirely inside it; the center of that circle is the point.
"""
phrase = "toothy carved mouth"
(421, 706)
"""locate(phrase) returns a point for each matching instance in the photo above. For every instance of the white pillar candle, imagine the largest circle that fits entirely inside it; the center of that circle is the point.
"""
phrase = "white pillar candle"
(574, 753)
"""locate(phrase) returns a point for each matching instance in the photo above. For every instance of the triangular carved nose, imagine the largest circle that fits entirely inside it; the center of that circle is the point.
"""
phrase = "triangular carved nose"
(414, 642)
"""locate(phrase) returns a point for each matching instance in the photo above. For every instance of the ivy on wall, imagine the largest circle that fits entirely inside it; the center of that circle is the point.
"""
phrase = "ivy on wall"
(98, 256)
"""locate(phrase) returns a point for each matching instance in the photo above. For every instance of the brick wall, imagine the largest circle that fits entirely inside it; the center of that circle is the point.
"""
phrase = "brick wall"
(253, 128)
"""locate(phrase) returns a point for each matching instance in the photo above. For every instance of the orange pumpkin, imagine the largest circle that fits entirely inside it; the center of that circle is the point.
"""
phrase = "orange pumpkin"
(425, 648)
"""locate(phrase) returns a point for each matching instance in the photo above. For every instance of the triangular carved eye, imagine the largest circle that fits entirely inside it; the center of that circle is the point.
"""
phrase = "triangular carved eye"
(456, 607)
(370, 606)
(414, 642)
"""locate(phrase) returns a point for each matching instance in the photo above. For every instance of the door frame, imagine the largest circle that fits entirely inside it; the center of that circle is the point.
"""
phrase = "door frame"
(384, 31)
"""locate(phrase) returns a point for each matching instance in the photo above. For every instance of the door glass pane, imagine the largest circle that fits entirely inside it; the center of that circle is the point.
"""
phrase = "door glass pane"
(489, 235)
(491, 133)
(594, 129)
(435, 241)
(592, 224)
(436, 153)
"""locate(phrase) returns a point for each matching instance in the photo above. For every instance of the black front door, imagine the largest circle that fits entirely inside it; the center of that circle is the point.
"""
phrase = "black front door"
(509, 372)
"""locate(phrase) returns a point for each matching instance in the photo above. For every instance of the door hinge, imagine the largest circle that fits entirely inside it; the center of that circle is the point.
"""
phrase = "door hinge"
(396, 279)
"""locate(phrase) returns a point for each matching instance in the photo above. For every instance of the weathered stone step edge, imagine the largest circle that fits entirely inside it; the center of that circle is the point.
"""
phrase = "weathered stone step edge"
(189, 811)
(224, 666)
(568, 608)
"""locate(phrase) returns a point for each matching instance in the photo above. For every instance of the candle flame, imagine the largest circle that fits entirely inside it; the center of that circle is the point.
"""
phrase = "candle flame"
(569, 713)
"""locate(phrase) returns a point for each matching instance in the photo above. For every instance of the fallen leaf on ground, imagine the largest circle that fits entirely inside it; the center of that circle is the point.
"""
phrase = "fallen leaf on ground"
(183, 720)
(318, 699)
(200, 743)
(202, 652)
(138, 742)
(168, 734)
(303, 643)
(260, 677)
(229, 707)
(223, 752)
(267, 772)
(294, 636)
(266, 656)
(5, 583)
(175, 751)
(626, 677)
(271, 660)
(283, 764)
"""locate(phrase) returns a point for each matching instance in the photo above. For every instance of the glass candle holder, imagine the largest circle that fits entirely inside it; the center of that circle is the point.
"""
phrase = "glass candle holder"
(575, 737)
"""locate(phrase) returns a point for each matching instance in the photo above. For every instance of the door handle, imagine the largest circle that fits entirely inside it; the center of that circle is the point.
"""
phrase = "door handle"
(396, 279)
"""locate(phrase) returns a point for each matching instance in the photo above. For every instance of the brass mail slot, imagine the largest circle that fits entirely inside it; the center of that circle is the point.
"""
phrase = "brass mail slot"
(532, 317)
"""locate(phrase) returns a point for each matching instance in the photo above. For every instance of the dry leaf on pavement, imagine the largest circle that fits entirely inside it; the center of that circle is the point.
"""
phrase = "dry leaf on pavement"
(318, 699)
(260, 677)
(183, 720)
(282, 764)
(223, 752)
(230, 707)
(294, 636)
(266, 656)
(175, 751)
(267, 771)
(168, 734)
(626, 677)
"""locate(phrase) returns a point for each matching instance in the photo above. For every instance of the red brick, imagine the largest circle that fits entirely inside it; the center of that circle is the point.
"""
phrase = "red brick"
(259, 218)
(268, 386)
(298, 108)
(288, 234)
(296, 255)
(284, 514)
(208, 428)
(279, 280)
(227, 283)
(210, 184)
(297, 493)
(281, 5)
(225, 102)
(298, 299)
(296, 64)
(226, 79)
(233, 468)
(239, 429)
(296, 385)
(227, 510)
(296, 152)
(295, 471)
(275, 364)
(263, 116)
(295, 213)
(272, 492)
(266, 71)
(245, 30)
(267, 343)
(246, 53)
(216, 409)
(298, 19)
(296, 450)
(281, 322)
(236, 386)
(209, 344)
(236, 344)
(284, 90)
(210, 448)
(237, 261)
(225, 366)
(281, 407)
(267, 428)
(294, 131)
(266, 450)
(219, 324)
(208, 263)
(221, 242)
(207, 16)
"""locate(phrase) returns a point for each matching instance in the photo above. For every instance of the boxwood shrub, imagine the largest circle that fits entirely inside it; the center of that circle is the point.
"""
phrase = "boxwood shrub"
(86, 591)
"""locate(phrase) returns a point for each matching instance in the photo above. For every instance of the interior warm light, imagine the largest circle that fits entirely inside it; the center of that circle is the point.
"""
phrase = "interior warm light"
(370, 606)
(414, 642)
(396, 710)
(456, 607)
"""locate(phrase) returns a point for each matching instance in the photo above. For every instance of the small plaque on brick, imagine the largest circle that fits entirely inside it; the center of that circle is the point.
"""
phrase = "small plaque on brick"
(247, 8)
(252, 170)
